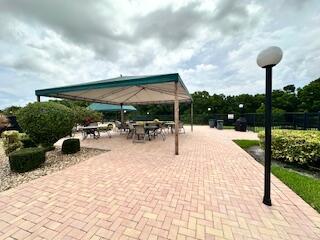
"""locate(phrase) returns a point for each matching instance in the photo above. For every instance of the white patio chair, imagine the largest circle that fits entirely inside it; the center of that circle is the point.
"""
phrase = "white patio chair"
(139, 131)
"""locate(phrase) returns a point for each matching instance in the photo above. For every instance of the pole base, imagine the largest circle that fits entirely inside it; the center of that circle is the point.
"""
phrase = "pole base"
(267, 201)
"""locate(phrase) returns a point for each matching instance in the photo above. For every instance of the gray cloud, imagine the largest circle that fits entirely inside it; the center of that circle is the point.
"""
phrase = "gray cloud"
(213, 45)
(93, 25)
(170, 27)
(174, 26)
(82, 22)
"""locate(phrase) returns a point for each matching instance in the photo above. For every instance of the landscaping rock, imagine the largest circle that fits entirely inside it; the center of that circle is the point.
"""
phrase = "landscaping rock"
(55, 161)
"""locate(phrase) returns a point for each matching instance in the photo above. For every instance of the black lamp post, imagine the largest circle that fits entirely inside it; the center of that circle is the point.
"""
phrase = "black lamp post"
(267, 59)
(241, 109)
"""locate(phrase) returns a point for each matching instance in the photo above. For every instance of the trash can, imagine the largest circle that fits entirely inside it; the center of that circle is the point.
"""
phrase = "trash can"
(241, 124)
(212, 123)
(220, 124)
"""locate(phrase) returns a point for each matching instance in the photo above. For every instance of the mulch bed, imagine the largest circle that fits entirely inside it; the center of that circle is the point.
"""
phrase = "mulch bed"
(55, 161)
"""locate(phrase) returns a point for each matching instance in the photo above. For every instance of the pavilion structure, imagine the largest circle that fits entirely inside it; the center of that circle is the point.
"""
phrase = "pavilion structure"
(129, 90)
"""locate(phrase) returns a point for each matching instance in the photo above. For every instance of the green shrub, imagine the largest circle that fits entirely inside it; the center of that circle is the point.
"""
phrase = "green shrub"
(46, 122)
(11, 141)
(26, 141)
(26, 159)
(86, 116)
(302, 147)
(71, 145)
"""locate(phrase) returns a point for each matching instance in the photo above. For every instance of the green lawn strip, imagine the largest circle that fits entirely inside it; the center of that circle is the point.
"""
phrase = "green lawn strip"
(246, 143)
(306, 187)
(228, 127)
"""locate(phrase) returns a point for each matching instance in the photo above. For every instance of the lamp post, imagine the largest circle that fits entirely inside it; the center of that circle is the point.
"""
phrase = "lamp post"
(241, 109)
(267, 59)
(209, 109)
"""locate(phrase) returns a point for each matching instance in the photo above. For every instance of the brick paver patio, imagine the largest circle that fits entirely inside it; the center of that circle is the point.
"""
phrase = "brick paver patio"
(212, 190)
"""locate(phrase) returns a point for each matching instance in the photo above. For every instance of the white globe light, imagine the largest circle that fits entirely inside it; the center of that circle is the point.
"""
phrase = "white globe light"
(269, 57)
(240, 105)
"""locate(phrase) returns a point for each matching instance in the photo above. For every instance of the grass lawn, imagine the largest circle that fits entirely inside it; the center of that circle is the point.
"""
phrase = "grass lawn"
(306, 187)
(246, 143)
(228, 127)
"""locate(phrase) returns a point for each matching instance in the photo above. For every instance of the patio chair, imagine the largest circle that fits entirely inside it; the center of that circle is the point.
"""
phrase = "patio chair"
(181, 128)
(139, 132)
(162, 131)
(131, 130)
(119, 126)
(107, 129)
(153, 130)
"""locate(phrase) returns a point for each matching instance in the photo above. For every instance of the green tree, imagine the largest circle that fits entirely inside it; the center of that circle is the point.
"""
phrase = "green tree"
(289, 88)
(12, 110)
(309, 96)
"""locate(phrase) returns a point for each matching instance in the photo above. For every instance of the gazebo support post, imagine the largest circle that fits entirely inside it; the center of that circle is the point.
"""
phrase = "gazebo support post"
(122, 116)
(191, 115)
(176, 118)
(38, 98)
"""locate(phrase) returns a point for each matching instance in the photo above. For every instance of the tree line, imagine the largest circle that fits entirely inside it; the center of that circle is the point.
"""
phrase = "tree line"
(288, 99)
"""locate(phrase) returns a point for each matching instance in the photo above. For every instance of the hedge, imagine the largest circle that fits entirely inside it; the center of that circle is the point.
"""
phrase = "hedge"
(26, 159)
(71, 145)
(295, 146)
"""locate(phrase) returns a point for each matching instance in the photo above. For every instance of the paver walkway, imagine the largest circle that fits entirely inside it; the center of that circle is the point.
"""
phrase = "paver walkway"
(212, 190)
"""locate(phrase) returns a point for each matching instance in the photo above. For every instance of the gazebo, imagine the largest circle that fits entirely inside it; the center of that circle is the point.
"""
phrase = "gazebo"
(151, 89)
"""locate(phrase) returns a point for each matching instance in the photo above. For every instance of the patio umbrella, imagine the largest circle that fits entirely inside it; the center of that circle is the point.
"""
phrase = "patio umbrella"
(104, 107)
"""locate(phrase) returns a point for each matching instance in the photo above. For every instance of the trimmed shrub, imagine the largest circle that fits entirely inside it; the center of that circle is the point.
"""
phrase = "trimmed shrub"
(46, 122)
(26, 159)
(302, 147)
(71, 145)
(11, 141)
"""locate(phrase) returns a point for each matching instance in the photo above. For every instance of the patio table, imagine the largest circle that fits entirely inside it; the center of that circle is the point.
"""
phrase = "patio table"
(90, 130)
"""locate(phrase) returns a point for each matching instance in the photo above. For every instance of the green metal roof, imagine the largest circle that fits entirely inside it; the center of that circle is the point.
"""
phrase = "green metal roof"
(124, 90)
(103, 107)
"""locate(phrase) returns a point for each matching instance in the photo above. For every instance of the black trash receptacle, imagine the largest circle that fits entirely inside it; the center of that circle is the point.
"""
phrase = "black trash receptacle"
(212, 123)
(241, 124)
(220, 124)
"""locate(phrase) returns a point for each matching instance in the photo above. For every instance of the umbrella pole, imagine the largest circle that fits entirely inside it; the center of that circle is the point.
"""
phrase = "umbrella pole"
(122, 117)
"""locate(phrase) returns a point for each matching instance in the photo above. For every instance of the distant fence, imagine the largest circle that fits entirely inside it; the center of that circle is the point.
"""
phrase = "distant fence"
(295, 120)
(200, 119)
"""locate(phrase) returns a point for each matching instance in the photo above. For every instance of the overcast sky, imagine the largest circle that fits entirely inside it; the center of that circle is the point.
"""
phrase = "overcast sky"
(212, 44)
